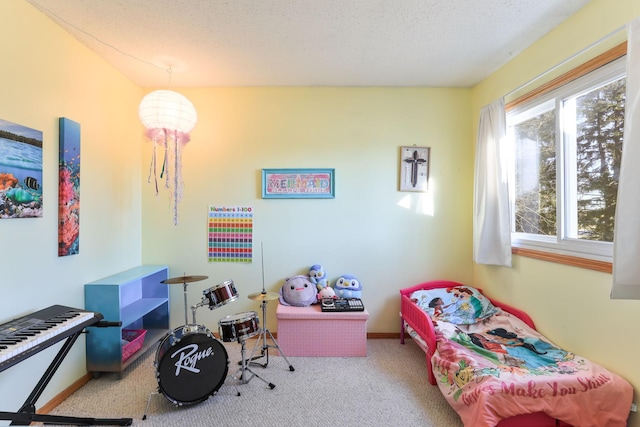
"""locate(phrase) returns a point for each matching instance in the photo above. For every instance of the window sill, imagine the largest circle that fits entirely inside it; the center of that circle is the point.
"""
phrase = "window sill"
(603, 266)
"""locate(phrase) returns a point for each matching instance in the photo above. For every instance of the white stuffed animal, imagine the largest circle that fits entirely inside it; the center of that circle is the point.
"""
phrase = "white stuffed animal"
(326, 292)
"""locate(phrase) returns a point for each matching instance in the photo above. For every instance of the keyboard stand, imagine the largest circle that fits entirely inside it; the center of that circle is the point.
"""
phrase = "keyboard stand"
(27, 412)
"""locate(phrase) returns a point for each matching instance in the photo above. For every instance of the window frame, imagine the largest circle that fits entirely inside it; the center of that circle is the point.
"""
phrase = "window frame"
(586, 254)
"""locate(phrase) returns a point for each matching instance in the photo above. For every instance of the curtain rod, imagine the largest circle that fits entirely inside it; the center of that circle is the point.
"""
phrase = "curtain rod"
(575, 55)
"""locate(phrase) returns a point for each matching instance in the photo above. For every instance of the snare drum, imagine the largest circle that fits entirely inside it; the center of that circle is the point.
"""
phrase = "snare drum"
(239, 327)
(221, 294)
(191, 365)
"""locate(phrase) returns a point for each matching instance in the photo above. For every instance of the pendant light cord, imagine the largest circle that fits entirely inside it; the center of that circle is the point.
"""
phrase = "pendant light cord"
(48, 11)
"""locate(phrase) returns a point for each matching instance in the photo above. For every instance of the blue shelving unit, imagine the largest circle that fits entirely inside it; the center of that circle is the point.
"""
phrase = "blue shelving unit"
(137, 299)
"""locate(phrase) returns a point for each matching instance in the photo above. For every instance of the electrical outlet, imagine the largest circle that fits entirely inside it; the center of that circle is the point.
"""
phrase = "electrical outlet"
(634, 407)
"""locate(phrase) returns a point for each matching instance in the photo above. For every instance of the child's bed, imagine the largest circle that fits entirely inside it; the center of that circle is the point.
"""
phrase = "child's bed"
(495, 369)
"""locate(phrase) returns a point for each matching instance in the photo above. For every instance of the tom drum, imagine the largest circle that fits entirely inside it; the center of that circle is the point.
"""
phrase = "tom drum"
(239, 327)
(221, 294)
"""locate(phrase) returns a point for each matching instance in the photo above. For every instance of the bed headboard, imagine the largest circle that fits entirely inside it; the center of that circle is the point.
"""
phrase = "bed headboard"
(432, 284)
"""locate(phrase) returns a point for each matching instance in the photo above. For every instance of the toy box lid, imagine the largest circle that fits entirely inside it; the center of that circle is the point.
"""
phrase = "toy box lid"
(315, 312)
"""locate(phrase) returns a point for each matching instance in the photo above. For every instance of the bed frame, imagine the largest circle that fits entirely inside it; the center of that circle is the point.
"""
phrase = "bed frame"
(417, 319)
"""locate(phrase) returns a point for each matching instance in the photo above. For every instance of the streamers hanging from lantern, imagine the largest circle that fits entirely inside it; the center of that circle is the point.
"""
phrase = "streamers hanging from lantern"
(169, 118)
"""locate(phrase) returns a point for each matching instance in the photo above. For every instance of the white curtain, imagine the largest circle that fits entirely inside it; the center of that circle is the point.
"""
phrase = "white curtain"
(626, 241)
(491, 217)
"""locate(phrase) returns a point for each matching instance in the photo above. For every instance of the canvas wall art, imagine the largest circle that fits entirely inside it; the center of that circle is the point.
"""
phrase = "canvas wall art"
(69, 188)
(20, 171)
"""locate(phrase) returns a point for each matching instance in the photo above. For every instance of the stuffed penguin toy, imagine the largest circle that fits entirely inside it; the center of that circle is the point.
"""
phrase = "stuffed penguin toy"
(348, 286)
(318, 276)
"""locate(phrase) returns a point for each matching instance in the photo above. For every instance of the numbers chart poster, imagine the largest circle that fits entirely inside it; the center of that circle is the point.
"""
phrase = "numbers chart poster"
(230, 233)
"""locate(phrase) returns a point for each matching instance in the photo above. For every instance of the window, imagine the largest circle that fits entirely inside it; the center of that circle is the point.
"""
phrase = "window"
(565, 146)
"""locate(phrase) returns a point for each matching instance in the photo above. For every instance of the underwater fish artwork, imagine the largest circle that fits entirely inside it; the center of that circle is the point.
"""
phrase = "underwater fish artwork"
(32, 183)
(69, 188)
(20, 196)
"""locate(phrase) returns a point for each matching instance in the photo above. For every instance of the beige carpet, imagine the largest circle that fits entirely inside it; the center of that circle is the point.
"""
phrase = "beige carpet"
(389, 387)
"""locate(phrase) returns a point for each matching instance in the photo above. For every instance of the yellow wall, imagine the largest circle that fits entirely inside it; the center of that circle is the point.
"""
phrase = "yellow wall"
(386, 238)
(46, 74)
(569, 305)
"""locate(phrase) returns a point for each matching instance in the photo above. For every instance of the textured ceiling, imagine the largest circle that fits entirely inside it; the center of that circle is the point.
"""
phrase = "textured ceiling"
(449, 43)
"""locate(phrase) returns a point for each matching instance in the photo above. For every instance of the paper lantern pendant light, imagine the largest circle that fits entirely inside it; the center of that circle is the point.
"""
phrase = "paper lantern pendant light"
(168, 117)
(166, 109)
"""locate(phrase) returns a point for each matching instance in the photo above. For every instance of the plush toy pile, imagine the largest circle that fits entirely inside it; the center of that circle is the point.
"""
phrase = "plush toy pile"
(302, 291)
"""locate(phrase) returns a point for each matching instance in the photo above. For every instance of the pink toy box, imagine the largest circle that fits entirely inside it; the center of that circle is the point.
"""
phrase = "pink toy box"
(307, 331)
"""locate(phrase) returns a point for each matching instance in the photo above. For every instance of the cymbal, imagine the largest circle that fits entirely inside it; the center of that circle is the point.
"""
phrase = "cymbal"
(263, 296)
(183, 279)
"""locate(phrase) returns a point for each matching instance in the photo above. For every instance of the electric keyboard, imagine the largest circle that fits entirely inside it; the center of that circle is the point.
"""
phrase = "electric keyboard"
(27, 335)
(23, 337)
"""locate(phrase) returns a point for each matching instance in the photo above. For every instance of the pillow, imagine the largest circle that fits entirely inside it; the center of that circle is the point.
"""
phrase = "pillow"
(461, 305)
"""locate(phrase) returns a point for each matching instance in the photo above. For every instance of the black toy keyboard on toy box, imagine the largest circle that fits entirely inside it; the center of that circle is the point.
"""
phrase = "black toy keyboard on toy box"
(341, 304)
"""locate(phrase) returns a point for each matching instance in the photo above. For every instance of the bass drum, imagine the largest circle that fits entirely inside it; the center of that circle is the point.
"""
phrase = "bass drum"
(191, 365)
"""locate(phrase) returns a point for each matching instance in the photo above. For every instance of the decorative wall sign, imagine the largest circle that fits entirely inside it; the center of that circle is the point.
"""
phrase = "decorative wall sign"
(230, 234)
(298, 183)
(414, 168)
(69, 188)
(20, 171)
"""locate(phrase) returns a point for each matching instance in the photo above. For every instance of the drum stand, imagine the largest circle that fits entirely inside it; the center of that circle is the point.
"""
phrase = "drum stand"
(262, 338)
(244, 368)
(264, 296)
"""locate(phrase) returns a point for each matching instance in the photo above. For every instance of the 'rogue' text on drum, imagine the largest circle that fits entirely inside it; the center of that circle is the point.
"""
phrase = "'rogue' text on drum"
(188, 360)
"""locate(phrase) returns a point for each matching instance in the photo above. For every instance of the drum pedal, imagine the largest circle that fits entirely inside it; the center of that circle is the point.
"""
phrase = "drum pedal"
(244, 368)
(251, 360)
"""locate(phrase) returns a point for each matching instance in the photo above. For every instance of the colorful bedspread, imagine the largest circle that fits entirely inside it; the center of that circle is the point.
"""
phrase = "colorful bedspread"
(500, 367)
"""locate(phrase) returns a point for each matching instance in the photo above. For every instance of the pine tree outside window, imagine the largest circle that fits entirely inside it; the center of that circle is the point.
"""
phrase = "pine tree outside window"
(566, 146)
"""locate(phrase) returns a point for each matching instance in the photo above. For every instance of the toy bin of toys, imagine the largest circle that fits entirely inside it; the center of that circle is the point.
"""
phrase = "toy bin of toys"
(132, 340)
(307, 331)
